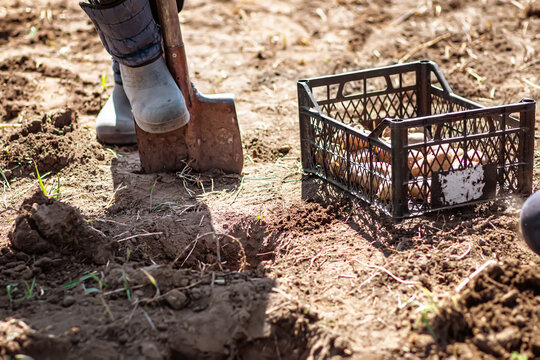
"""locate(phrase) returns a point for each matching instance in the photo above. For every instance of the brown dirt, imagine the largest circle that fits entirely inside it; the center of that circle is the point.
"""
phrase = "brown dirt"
(269, 264)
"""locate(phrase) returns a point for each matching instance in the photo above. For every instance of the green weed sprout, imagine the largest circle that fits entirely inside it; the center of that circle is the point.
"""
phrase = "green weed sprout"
(22, 357)
(92, 290)
(29, 289)
(104, 81)
(426, 308)
(518, 356)
(54, 190)
(153, 281)
(126, 285)
(112, 152)
(11, 289)
(158, 207)
(5, 181)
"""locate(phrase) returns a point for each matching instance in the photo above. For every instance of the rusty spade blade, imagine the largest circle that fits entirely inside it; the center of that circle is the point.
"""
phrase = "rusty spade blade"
(211, 139)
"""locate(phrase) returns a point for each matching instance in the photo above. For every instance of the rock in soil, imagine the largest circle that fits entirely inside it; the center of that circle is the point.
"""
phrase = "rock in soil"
(176, 299)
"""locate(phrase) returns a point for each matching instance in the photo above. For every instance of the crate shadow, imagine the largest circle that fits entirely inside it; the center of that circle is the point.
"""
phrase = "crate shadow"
(383, 232)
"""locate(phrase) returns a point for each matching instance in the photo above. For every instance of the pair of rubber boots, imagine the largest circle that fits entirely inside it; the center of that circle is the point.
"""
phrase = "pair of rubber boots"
(144, 90)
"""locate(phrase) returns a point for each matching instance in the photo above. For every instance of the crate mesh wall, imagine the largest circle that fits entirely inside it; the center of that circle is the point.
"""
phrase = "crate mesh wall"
(335, 148)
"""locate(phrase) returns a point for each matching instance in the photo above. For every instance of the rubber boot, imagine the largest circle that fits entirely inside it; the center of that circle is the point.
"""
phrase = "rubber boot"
(129, 33)
(115, 124)
(157, 104)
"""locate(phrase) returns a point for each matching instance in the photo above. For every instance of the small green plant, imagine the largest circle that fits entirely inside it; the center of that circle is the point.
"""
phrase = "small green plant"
(158, 207)
(429, 307)
(112, 152)
(153, 281)
(22, 357)
(81, 281)
(32, 33)
(518, 356)
(11, 290)
(53, 191)
(104, 81)
(151, 194)
(4, 180)
(126, 285)
(29, 292)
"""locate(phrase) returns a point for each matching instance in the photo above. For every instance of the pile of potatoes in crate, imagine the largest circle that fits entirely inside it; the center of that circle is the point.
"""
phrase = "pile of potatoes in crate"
(422, 164)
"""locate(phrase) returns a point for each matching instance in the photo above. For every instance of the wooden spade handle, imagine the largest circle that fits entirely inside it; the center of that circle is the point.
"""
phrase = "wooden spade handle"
(175, 53)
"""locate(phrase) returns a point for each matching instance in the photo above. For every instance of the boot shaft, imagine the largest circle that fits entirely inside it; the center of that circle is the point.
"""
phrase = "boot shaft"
(127, 30)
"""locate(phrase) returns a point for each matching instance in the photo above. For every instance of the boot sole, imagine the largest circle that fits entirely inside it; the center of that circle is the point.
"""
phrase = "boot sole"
(165, 127)
(117, 138)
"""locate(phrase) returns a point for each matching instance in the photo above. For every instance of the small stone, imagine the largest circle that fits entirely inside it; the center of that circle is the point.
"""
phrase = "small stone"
(285, 149)
(150, 351)
(521, 321)
(27, 274)
(43, 262)
(423, 341)
(68, 301)
(509, 299)
(22, 256)
(509, 338)
(176, 299)
(341, 344)
(19, 268)
(122, 338)
(422, 262)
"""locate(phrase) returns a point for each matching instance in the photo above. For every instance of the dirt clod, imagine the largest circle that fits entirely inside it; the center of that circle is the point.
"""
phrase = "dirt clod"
(44, 224)
(49, 143)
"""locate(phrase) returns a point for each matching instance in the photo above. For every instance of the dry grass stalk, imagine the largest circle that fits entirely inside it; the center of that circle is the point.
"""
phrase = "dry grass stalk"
(422, 46)
(406, 282)
(140, 235)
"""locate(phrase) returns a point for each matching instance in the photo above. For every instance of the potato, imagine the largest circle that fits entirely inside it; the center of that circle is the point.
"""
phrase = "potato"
(327, 159)
(387, 133)
(361, 156)
(336, 168)
(319, 157)
(415, 157)
(360, 174)
(422, 167)
(382, 154)
(384, 192)
(355, 144)
(439, 158)
(418, 189)
(477, 156)
(458, 162)
(415, 138)
(416, 130)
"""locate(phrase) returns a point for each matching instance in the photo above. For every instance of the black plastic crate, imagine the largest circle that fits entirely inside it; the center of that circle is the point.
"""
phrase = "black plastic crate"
(398, 138)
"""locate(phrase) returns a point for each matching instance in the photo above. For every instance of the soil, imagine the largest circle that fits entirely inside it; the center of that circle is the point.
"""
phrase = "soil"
(271, 263)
